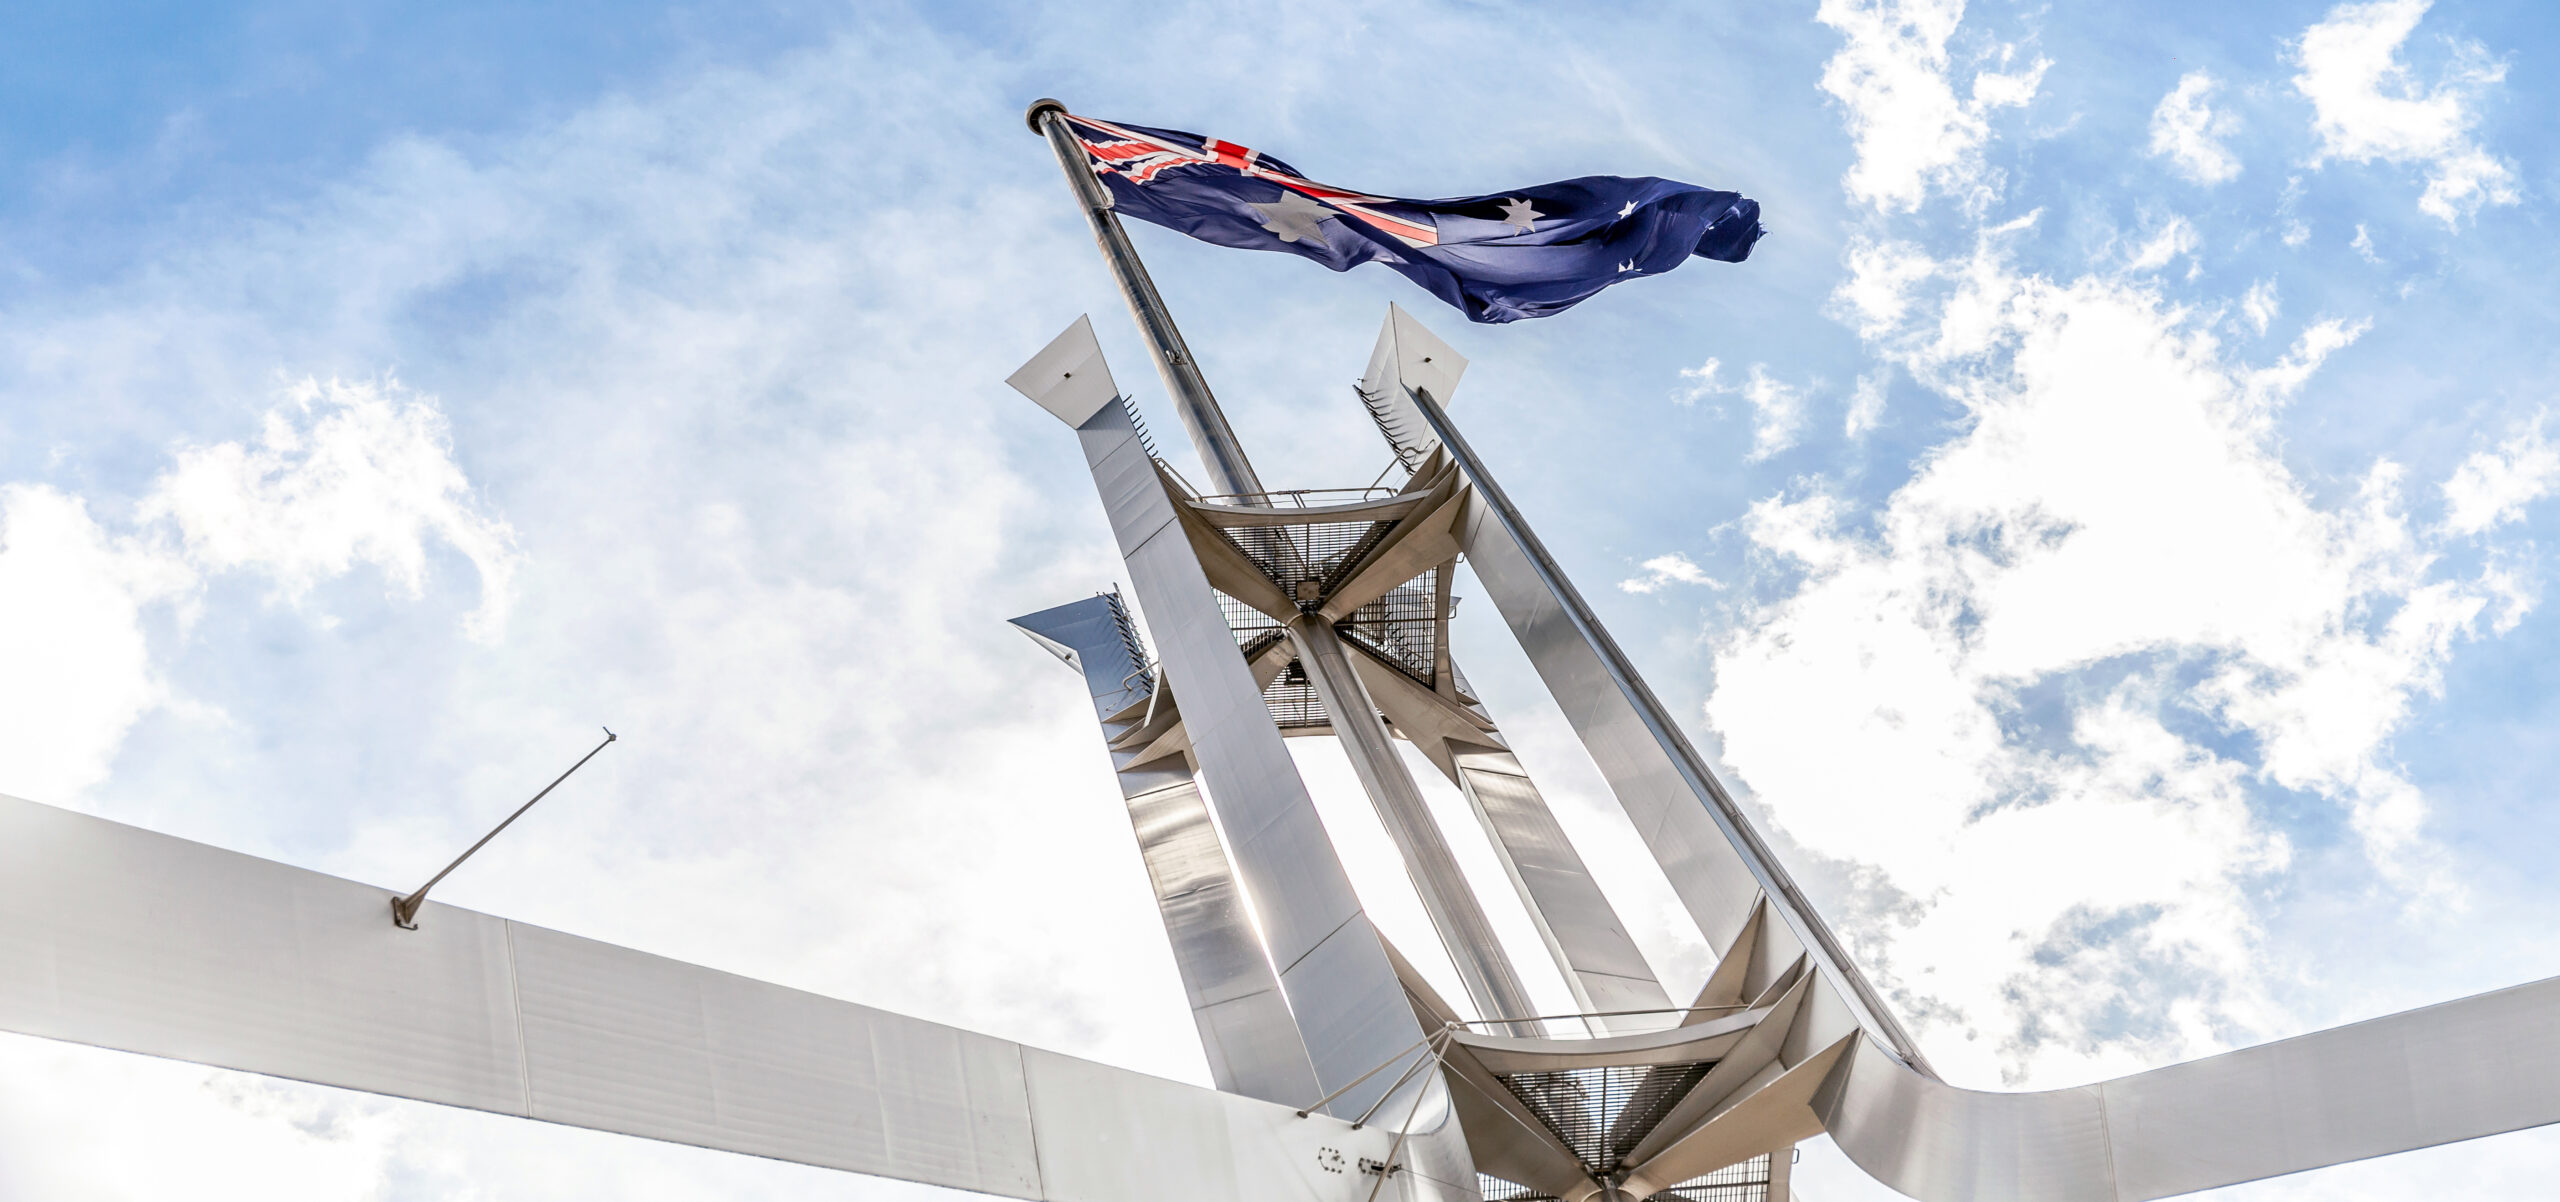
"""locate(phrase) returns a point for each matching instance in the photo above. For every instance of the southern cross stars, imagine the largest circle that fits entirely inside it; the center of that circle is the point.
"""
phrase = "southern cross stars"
(1295, 218)
(1518, 215)
(1625, 212)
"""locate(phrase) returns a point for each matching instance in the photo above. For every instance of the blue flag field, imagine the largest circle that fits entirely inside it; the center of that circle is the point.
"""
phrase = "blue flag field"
(1501, 257)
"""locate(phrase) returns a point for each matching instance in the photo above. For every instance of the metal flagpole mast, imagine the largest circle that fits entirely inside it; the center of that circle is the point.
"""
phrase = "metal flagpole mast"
(1229, 470)
(1455, 911)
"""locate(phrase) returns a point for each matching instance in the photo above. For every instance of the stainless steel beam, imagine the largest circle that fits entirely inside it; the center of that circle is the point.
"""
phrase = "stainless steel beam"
(2461, 1070)
(1602, 966)
(1455, 911)
(1705, 844)
(106, 939)
(1343, 995)
(1252, 1045)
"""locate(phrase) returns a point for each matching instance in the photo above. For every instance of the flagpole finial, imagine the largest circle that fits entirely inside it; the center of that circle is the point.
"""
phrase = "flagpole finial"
(1031, 116)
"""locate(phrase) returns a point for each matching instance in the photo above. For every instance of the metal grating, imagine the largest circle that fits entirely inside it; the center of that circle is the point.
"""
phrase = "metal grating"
(1402, 625)
(1495, 1189)
(1316, 555)
(1603, 1113)
(1745, 1182)
(1291, 697)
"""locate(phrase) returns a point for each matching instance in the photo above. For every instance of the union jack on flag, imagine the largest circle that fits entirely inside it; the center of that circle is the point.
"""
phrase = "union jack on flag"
(1529, 252)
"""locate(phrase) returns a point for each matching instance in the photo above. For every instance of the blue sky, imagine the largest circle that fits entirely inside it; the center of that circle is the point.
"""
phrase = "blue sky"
(2099, 527)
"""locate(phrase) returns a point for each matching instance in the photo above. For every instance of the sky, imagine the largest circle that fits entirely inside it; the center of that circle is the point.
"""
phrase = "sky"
(2097, 532)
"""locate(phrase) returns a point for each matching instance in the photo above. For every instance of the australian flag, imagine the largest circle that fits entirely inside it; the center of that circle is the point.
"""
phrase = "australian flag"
(1525, 253)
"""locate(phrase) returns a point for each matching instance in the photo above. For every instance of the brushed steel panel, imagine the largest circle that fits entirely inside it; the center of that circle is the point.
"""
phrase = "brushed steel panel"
(1246, 1032)
(1701, 839)
(1456, 914)
(2465, 1069)
(128, 939)
(2460, 1070)
(1602, 966)
(624, 1041)
(1342, 993)
(1943, 1144)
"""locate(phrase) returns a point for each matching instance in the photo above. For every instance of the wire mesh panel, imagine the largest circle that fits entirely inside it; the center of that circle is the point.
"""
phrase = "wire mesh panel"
(1745, 1182)
(1495, 1189)
(1291, 697)
(1402, 625)
(1603, 1113)
(1308, 561)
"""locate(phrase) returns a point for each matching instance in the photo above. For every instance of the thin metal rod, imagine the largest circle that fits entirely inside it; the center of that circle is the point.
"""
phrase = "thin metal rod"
(1403, 1131)
(1220, 452)
(1772, 876)
(1544, 1018)
(1354, 1083)
(1438, 1043)
(404, 910)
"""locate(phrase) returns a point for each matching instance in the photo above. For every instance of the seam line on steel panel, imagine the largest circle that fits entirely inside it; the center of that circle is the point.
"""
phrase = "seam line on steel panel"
(515, 999)
(2107, 1142)
(1153, 535)
(1328, 937)
(1039, 1171)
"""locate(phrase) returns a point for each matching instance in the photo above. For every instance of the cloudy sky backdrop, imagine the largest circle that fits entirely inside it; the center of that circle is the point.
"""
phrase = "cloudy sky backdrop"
(2098, 531)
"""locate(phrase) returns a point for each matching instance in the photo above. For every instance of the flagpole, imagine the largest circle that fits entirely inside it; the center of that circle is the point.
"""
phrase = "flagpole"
(1220, 451)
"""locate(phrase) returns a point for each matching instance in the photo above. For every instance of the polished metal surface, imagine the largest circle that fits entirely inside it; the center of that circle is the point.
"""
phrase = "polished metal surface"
(1343, 996)
(1705, 844)
(1221, 454)
(104, 940)
(1408, 356)
(1482, 964)
(1602, 966)
(1068, 377)
(1251, 1043)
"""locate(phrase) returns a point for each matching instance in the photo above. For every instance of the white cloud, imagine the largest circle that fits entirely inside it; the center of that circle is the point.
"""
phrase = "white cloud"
(2065, 650)
(1777, 407)
(1866, 404)
(2175, 237)
(72, 646)
(2189, 132)
(2259, 305)
(343, 474)
(2491, 487)
(1914, 132)
(1703, 381)
(2362, 244)
(2367, 105)
(1663, 571)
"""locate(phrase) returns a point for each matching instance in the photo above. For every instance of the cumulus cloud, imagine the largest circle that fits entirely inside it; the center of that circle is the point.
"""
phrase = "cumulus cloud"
(1663, 571)
(1915, 132)
(343, 474)
(2063, 678)
(2189, 132)
(72, 645)
(2368, 106)
(2494, 486)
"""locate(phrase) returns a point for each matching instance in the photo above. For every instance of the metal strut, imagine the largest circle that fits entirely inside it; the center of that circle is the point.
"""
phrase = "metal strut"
(404, 910)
